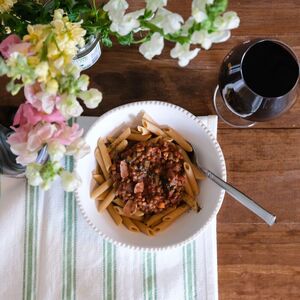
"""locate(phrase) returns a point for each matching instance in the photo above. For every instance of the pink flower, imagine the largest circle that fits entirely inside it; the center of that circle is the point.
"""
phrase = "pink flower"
(22, 48)
(7, 44)
(40, 135)
(66, 134)
(18, 145)
(27, 114)
(28, 140)
(39, 98)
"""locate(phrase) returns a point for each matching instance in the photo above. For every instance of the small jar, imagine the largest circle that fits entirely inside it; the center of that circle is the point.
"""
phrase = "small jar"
(89, 54)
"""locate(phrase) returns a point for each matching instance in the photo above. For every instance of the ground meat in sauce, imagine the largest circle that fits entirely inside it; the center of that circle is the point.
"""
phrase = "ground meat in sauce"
(150, 175)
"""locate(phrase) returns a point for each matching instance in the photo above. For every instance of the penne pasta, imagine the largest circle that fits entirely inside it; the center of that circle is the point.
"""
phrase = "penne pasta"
(190, 201)
(148, 118)
(143, 130)
(155, 139)
(103, 195)
(101, 163)
(108, 199)
(129, 224)
(191, 178)
(176, 213)
(102, 188)
(178, 139)
(123, 136)
(120, 211)
(143, 228)
(98, 178)
(133, 130)
(162, 226)
(138, 213)
(104, 153)
(153, 128)
(116, 217)
(198, 173)
(121, 146)
(188, 187)
(119, 202)
(110, 139)
(155, 219)
(139, 137)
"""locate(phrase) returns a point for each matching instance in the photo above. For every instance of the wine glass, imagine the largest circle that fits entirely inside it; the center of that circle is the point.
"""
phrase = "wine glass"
(258, 81)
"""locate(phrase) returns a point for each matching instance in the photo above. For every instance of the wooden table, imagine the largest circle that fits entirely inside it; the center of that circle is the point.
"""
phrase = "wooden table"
(255, 261)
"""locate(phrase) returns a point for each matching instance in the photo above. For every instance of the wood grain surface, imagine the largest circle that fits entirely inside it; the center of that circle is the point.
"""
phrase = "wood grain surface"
(255, 261)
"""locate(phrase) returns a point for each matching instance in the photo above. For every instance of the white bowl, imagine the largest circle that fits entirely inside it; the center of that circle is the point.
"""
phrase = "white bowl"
(207, 150)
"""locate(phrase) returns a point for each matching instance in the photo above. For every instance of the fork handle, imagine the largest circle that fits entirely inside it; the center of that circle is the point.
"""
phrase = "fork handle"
(242, 198)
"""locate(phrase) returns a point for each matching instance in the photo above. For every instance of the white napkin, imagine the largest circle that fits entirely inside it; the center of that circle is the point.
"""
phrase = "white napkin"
(48, 251)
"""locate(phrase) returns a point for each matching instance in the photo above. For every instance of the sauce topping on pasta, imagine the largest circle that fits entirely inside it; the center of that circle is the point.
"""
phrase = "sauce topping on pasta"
(149, 176)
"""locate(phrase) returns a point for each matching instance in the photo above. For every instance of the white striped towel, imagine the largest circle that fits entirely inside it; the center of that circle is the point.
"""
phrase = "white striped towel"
(47, 251)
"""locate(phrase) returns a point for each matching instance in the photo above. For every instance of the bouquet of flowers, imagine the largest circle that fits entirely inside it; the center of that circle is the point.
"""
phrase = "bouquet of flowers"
(41, 63)
(39, 43)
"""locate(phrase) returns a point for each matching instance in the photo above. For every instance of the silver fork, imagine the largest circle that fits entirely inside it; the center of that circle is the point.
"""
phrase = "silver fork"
(269, 218)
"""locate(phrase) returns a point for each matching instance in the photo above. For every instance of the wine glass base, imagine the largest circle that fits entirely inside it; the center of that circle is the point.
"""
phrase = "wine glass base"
(226, 115)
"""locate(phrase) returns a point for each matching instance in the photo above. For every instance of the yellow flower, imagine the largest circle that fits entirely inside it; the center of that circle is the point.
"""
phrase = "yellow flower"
(6, 5)
(52, 87)
(41, 71)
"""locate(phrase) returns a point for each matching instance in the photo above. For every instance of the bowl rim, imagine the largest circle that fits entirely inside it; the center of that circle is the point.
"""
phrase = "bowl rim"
(219, 201)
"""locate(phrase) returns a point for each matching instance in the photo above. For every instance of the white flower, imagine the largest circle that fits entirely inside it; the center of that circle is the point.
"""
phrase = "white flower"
(168, 21)
(73, 70)
(115, 8)
(187, 25)
(33, 174)
(183, 53)
(206, 39)
(153, 47)
(56, 150)
(124, 24)
(70, 181)
(83, 82)
(153, 5)
(199, 10)
(69, 106)
(91, 98)
(79, 148)
(227, 21)
(220, 36)
(24, 156)
(58, 14)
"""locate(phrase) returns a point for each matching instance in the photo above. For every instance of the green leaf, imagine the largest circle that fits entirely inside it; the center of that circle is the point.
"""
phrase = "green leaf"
(217, 8)
(147, 14)
(125, 40)
(106, 41)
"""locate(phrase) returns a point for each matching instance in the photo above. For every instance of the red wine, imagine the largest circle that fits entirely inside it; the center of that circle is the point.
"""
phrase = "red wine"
(269, 69)
(258, 79)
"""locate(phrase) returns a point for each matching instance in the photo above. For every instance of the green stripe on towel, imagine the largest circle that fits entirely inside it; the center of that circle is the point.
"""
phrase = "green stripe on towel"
(30, 243)
(189, 271)
(149, 274)
(69, 243)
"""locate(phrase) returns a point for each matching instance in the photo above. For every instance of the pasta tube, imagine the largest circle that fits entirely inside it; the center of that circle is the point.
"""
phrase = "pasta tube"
(178, 139)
